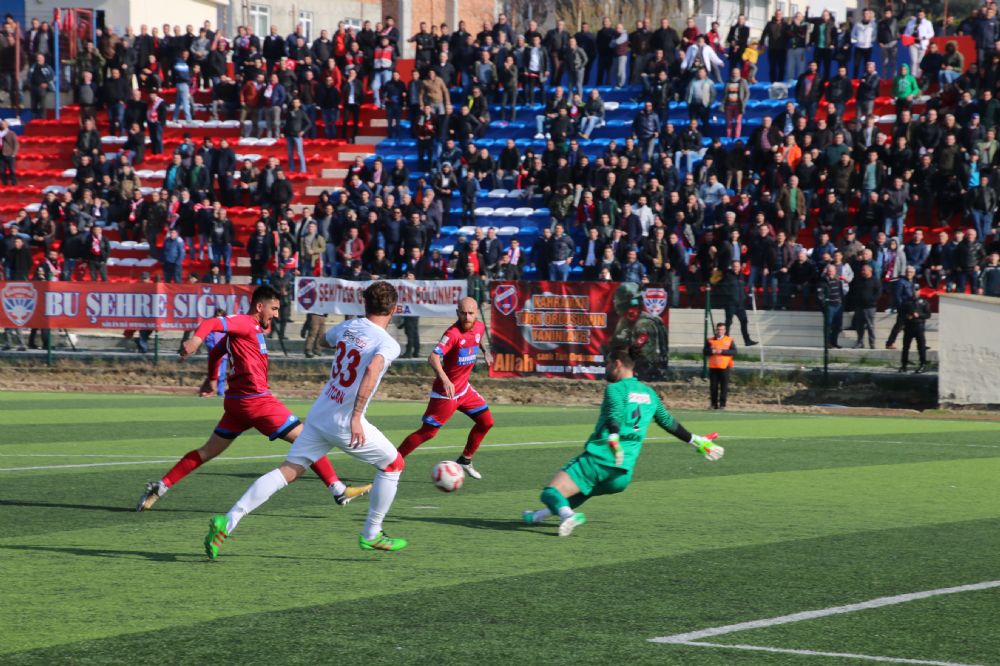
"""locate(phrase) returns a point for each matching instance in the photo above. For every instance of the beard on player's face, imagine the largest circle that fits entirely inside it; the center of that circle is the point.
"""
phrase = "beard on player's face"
(266, 312)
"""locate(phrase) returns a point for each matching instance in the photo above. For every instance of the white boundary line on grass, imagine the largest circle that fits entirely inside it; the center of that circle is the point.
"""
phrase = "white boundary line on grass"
(696, 638)
(842, 655)
(239, 458)
(423, 448)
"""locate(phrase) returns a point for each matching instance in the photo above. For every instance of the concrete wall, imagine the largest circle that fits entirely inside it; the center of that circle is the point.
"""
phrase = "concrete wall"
(797, 333)
(120, 13)
(326, 13)
(969, 350)
(785, 329)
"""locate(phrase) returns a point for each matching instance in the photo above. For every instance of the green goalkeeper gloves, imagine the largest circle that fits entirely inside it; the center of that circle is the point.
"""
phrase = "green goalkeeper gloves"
(707, 447)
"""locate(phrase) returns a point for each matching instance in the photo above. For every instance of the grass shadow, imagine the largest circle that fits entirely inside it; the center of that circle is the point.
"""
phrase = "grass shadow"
(104, 552)
(497, 524)
(85, 507)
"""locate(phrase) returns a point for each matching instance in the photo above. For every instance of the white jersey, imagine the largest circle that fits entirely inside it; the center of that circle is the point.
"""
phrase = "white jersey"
(355, 343)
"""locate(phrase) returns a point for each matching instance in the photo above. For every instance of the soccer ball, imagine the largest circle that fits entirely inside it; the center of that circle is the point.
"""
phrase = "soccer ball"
(448, 476)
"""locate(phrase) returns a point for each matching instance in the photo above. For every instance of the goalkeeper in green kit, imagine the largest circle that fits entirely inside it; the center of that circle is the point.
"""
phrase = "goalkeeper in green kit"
(605, 467)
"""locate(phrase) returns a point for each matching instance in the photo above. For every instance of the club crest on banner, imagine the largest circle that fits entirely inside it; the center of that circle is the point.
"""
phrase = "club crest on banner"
(505, 299)
(19, 300)
(654, 301)
(307, 293)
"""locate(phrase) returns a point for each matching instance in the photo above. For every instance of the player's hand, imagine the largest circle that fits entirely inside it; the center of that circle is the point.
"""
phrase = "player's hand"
(357, 432)
(208, 388)
(190, 346)
(616, 448)
(449, 388)
(707, 447)
(488, 356)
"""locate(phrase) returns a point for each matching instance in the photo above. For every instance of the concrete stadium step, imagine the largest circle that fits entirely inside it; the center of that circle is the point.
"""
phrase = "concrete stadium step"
(317, 188)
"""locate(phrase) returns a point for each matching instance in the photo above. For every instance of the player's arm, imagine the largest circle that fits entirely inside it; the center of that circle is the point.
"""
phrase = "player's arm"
(435, 362)
(487, 352)
(612, 416)
(705, 445)
(368, 384)
(213, 325)
(215, 355)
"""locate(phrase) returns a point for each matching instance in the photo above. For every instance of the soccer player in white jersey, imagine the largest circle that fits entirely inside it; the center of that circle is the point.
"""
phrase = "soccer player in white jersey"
(363, 351)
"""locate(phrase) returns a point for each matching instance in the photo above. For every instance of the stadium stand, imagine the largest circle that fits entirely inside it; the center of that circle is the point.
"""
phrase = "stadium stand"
(815, 154)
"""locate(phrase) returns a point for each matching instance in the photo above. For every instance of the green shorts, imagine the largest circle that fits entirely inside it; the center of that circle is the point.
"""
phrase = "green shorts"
(593, 477)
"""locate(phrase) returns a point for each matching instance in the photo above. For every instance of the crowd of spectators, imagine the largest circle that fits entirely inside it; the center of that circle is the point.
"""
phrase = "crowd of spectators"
(816, 205)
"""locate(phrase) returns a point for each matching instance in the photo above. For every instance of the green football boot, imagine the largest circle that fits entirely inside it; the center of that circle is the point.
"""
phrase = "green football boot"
(567, 526)
(381, 542)
(216, 536)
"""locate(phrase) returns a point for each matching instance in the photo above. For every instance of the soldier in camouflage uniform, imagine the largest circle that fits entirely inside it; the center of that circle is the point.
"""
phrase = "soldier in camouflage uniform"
(646, 336)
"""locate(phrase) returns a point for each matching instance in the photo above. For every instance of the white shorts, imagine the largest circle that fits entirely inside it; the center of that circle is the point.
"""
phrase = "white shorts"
(313, 443)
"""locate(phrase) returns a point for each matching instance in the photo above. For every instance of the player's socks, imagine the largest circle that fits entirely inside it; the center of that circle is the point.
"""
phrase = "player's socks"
(324, 470)
(556, 503)
(383, 492)
(484, 421)
(415, 439)
(256, 494)
(189, 463)
(532, 517)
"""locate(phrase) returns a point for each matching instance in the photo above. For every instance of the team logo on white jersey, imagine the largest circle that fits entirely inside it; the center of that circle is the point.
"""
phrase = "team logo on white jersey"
(654, 301)
(505, 299)
(19, 300)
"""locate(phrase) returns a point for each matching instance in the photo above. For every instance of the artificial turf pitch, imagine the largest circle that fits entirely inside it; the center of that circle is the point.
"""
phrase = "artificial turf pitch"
(805, 512)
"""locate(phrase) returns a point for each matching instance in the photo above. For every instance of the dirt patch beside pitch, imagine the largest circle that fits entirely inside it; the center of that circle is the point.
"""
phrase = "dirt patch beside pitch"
(301, 380)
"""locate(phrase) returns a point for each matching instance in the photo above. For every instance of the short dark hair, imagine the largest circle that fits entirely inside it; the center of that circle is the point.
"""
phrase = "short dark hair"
(265, 292)
(622, 353)
(380, 298)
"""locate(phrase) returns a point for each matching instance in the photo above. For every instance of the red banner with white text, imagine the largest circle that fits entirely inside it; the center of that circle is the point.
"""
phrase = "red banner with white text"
(163, 307)
(564, 329)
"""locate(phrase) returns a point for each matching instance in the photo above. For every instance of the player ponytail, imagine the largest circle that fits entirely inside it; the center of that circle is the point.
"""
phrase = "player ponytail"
(380, 298)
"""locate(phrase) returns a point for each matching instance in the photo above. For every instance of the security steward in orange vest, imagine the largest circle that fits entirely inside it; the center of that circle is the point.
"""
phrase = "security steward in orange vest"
(720, 351)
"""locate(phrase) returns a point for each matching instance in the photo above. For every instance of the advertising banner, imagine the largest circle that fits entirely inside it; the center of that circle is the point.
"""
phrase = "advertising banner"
(564, 329)
(417, 298)
(142, 306)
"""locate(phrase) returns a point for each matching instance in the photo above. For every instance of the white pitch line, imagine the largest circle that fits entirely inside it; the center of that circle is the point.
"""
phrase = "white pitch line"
(238, 458)
(819, 653)
(129, 462)
(823, 612)
(443, 447)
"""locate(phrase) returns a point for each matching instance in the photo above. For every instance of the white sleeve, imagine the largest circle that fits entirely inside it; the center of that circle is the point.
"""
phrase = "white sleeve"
(333, 334)
(388, 349)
